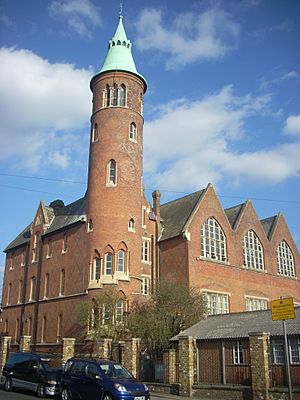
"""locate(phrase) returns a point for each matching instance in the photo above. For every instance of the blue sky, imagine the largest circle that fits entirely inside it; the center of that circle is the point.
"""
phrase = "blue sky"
(222, 104)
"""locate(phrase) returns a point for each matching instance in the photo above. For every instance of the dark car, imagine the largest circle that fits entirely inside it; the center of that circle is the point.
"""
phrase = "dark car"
(91, 379)
(26, 370)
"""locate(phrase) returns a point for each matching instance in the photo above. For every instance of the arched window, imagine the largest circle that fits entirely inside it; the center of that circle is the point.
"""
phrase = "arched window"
(253, 251)
(95, 134)
(62, 282)
(32, 293)
(35, 249)
(119, 310)
(131, 225)
(59, 328)
(96, 268)
(114, 95)
(108, 263)
(285, 260)
(65, 243)
(133, 132)
(8, 300)
(20, 289)
(213, 241)
(46, 288)
(44, 329)
(122, 96)
(107, 96)
(121, 261)
(112, 172)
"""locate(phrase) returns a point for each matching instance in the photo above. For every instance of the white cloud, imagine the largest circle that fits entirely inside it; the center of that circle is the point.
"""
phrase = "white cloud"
(192, 37)
(41, 104)
(292, 125)
(80, 14)
(191, 143)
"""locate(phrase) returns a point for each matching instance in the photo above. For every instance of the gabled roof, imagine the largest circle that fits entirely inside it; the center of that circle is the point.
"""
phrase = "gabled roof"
(59, 218)
(234, 213)
(176, 213)
(21, 239)
(239, 325)
(269, 225)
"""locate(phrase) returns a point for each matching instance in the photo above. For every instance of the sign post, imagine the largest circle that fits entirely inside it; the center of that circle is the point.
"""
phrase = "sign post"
(283, 309)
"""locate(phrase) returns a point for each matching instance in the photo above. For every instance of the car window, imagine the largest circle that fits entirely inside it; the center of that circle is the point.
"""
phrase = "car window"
(115, 370)
(92, 370)
(78, 368)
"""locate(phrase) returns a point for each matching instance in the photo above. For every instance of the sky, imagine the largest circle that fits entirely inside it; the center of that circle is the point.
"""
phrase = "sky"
(222, 105)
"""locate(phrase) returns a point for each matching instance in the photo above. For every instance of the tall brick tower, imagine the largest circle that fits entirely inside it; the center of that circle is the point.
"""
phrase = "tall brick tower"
(115, 193)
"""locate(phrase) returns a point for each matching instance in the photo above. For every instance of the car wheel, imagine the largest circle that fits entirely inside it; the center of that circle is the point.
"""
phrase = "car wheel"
(41, 392)
(8, 385)
(107, 396)
(65, 394)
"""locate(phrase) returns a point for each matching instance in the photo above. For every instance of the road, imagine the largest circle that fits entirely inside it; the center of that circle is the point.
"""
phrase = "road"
(22, 395)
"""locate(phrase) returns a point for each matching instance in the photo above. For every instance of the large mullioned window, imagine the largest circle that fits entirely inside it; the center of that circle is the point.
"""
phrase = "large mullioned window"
(255, 303)
(213, 241)
(253, 251)
(115, 96)
(216, 303)
(285, 260)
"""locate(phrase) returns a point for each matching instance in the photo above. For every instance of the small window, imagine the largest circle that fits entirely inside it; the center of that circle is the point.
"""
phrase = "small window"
(108, 264)
(32, 289)
(35, 249)
(121, 261)
(62, 283)
(277, 351)
(46, 289)
(114, 95)
(131, 225)
(95, 134)
(133, 132)
(49, 248)
(23, 259)
(146, 250)
(119, 310)
(107, 97)
(112, 173)
(254, 304)
(44, 329)
(96, 268)
(65, 243)
(145, 285)
(90, 225)
(20, 289)
(238, 352)
(122, 96)
(59, 328)
(8, 300)
(11, 262)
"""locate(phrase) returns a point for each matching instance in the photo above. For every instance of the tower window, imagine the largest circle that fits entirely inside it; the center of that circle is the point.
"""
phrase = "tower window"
(90, 226)
(133, 132)
(111, 173)
(121, 261)
(122, 96)
(95, 134)
(96, 268)
(108, 263)
(114, 95)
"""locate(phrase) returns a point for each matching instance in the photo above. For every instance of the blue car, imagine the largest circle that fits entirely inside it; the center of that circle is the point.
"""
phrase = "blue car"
(91, 379)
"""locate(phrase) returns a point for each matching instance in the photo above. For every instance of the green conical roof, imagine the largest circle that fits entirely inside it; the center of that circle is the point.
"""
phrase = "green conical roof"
(119, 57)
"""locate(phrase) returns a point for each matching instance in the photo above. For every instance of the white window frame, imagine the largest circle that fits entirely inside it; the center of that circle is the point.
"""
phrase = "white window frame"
(133, 132)
(121, 261)
(213, 241)
(146, 250)
(131, 225)
(238, 353)
(216, 302)
(146, 285)
(256, 303)
(111, 173)
(253, 252)
(119, 311)
(106, 263)
(285, 260)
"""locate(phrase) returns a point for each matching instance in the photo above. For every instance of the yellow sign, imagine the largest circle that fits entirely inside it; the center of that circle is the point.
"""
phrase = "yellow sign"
(283, 309)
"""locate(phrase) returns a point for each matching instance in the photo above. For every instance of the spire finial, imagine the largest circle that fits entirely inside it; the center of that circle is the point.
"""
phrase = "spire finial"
(121, 10)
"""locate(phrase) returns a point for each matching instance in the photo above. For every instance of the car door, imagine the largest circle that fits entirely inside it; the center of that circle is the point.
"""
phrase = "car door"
(75, 380)
(93, 381)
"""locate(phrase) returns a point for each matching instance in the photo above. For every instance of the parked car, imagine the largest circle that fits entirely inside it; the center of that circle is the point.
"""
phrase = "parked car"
(91, 379)
(27, 370)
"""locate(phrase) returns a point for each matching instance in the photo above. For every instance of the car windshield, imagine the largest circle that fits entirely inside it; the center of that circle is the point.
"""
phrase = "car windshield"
(115, 371)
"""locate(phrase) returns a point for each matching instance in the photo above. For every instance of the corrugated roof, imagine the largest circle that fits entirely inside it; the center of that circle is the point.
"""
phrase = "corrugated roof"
(58, 219)
(176, 213)
(239, 325)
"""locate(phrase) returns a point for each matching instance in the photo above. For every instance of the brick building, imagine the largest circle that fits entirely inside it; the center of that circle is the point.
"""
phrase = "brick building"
(113, 237)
